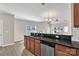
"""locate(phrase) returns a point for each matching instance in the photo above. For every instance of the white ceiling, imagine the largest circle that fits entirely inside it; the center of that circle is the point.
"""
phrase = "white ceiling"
(36, 11)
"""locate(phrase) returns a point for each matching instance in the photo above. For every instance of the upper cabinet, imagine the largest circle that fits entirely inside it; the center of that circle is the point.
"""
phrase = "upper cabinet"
(76, 14)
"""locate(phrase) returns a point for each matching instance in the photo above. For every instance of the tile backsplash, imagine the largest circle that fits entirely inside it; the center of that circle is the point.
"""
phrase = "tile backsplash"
(75, 33)
(62, 38)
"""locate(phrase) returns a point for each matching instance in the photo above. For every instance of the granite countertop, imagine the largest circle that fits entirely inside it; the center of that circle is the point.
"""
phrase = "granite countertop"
(73, 44)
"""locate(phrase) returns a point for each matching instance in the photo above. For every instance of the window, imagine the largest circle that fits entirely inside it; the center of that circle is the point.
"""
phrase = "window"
(30, 29)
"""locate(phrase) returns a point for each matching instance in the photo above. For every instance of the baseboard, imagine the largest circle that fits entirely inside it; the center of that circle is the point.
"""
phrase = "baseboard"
(18, 41)
(7, 44)
(10, 43)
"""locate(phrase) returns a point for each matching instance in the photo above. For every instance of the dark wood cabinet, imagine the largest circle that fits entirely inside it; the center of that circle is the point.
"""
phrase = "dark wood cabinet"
(60, 53)
(32, 45)
(27, 42)
(77, 52)
(37, 48)
(76, 14)
(63, 50)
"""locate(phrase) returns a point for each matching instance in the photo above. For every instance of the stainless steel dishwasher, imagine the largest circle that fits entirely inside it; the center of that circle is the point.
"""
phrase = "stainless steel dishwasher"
(47, 48)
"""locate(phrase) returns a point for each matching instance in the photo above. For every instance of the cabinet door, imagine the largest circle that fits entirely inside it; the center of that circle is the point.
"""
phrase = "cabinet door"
(28, 43)
(65, 49)
(32, 45)
(60, 53)
(78, 52)
(37, 48)
(76, 14)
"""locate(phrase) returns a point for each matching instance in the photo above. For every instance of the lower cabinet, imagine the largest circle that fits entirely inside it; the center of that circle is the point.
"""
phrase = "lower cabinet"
(60, 53)
(77, 52)
(27, 42)
(37, 48)
(32, 45)
(64, 51)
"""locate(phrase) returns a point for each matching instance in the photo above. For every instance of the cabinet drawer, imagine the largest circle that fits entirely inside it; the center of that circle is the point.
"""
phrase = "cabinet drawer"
(36, 40)
(60, 53)
(71, 51)
(65, 49)
(60, 47)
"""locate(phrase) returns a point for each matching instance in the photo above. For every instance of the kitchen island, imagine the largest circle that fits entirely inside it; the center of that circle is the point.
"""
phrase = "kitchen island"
(61, 48)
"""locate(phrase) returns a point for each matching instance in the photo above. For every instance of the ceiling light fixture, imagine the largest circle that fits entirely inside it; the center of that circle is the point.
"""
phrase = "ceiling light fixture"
(43, 3)
(48, 18)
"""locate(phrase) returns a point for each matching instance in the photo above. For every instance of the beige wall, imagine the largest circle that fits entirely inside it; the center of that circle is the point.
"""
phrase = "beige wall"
(43, 27)
(20, 28)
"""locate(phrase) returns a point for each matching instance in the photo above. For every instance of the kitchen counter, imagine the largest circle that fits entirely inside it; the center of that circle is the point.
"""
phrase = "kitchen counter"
(73, 44)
